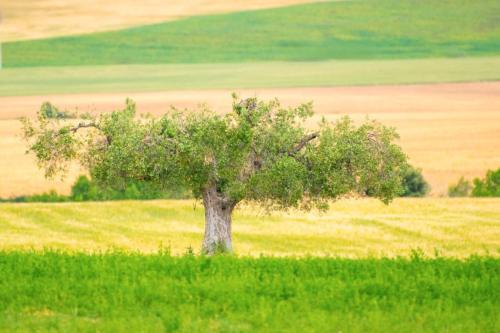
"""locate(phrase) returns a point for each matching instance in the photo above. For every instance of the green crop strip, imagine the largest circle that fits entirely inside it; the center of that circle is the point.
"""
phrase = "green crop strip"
(143, 78)
(113, 292)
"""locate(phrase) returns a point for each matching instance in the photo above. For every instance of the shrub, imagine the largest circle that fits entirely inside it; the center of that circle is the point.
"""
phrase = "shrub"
(50, 111)
(461, 189)
(489, 186)
(51, 196)
(86, 189)
(414, 184)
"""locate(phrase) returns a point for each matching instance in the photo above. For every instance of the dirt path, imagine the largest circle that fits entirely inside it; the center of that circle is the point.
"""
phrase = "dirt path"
(449, 130)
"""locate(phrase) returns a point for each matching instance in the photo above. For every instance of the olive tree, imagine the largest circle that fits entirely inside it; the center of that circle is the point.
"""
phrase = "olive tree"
(260, 152)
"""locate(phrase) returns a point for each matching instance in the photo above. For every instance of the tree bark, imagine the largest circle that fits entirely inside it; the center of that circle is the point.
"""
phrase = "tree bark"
(218, 213)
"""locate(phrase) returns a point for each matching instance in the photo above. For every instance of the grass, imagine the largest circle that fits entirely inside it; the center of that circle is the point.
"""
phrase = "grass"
(352, 228)
(117, 292)
(139, 78)
(386, 29)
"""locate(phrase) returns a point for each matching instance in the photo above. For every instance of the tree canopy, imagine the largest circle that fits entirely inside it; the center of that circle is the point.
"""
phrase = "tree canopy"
(260, 152)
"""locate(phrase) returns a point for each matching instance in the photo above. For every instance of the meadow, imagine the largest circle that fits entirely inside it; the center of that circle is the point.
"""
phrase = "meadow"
(351, 228)
(389, 29)
(123, 292)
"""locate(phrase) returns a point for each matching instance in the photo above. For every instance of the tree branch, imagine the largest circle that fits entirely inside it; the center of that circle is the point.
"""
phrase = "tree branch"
(303, 143)
(84, 125)
(88, 125)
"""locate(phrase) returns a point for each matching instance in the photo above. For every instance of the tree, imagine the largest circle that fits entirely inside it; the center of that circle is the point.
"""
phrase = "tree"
(489, 186)
(414, 184)
(260, 152)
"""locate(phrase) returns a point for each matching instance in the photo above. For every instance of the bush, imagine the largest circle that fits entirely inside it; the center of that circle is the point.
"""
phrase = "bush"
(414, 184)
(51, 196)
(489, 186)
(461, 189)
(50, 111)
(86, 189)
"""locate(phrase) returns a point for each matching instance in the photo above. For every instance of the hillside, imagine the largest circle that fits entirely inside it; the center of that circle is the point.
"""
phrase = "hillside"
(387, 29)
(29, 19)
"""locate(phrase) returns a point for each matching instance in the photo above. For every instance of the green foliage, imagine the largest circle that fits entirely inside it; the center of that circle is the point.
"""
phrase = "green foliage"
(85, 189)
(51, 196)
(461, 189)
(260, 152)
(489, 186)
(387, 29)
(131, 292)
(49, 111)
(414, 183)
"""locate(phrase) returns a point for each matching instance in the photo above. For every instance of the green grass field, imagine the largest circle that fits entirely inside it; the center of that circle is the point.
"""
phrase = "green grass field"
(118, 292)
(137, 78)
(388, 29)
(351, 228)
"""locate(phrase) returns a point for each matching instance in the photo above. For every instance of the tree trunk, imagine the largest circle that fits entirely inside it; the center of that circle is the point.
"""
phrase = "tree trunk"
(218, 213)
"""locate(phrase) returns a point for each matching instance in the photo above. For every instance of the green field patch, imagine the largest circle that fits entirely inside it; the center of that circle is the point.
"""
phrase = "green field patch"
(387, 29)
(115, 292)
(143, 78)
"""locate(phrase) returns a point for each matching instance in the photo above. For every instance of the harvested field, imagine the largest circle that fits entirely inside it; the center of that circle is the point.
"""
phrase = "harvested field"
(449, 130)
(30, 19)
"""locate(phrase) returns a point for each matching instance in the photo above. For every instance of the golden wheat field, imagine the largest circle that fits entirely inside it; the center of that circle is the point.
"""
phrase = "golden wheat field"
(448, 130)
(351, 228)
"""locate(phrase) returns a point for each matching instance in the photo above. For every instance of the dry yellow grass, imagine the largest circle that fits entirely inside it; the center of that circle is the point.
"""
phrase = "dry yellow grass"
(351, 228)
(28, 19)
(449, 130)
